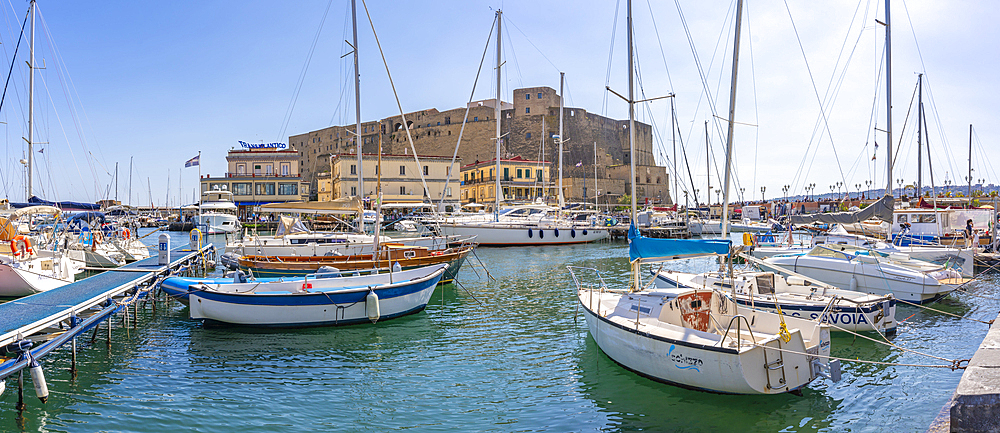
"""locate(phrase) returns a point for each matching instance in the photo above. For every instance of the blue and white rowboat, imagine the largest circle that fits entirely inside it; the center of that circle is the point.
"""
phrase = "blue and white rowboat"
(316, 302)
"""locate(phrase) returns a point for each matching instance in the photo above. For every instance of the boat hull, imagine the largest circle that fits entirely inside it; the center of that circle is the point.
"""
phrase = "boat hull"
(513, 235)
(324, 308)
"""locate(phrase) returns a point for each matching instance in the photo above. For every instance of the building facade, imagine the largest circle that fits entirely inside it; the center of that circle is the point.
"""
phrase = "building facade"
(529, 125)
(401, 178)
(520, 179)
(259, 174)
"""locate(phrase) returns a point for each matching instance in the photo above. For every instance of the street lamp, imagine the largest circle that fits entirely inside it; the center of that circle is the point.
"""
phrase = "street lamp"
(784, 191)
(742, 195)
(839, 184)
(718, 195)
(762, 193)
(868, 184)
(900, 183)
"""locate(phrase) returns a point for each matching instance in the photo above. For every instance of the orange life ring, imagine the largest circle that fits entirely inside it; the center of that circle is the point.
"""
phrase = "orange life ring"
(125, 234)
(28, 250)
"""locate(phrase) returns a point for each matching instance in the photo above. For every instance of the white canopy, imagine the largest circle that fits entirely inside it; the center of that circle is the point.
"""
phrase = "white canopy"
(348, 205)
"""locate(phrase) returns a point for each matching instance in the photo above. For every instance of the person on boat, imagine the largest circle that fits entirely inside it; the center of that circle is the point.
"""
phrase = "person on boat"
(968, 233)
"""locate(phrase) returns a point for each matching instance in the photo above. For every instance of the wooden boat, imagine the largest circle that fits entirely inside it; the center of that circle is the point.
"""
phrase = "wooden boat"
(302, 302)
(408, 257)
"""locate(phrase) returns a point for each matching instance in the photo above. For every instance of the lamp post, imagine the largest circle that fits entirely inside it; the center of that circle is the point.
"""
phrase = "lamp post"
(900, 183)
(947, 186)
(742, 196)
(868, 184)
(718, 195)
(839, 184)
(762, 189)
(812, 189)
(809, 189)
(858, 187)
(784, 192)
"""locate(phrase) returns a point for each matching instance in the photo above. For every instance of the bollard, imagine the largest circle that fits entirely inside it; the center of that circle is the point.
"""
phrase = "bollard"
(164, 250)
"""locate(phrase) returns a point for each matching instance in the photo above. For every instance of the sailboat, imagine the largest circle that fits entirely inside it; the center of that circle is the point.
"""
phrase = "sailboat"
(699, 338)
(533, 224)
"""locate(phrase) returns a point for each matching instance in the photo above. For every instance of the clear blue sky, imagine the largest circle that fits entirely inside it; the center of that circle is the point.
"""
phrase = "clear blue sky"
(160, 81)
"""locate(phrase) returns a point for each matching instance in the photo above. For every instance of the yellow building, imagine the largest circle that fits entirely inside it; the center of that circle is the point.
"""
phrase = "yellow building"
(400, 178)
(521, 180)
(258, 174)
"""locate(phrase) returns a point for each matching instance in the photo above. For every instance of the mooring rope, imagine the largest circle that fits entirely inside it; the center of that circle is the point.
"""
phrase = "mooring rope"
(955, 364)
(942, 312)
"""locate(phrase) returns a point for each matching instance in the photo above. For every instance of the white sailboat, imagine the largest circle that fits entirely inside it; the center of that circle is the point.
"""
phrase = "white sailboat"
(25, 269)
(699, 338)
(526, 224)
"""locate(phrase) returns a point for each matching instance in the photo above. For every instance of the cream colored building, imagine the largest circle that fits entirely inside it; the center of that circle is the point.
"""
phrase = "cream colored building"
(400, 178)
(521, 180)
(260, 174)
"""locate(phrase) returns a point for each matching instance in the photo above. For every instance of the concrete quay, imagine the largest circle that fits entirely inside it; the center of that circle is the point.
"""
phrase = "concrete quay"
(975, 407)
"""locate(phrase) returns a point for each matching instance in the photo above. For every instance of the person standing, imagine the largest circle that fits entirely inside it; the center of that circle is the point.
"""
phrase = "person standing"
(968, 232)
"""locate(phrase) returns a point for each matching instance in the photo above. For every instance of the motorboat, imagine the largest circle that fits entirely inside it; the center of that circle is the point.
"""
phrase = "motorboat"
(216, 213)
(868, 271)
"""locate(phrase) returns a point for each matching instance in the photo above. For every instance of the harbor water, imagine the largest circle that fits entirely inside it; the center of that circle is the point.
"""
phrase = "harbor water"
(508, 355)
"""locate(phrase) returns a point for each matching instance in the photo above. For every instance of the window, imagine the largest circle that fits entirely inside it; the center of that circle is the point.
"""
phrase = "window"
(354, 191)
(241, 188)
(506, 173)
(256, 169)
(267, 169)
(527, 96)
(527, 110)
(527, 136)
(519, 173)
(539, 172)
(402, 190)
(426, 170)
(447, 120)
(447, 191)
(354, 169)
(288, 189)
(241, 169)
(539, 95)
(491, 172)
(265, 188)
(439, 123)
(475, 119)
(402, 170)
(466, 177)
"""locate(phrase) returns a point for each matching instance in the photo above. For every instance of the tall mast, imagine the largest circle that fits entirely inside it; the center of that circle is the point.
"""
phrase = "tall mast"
(673, 139)
(31, 103)
(708, 169)
(595, 176)
(969, 195)
(357, 112)
(732, 115)
(496, 112)
(920, 127)
(562, 200)
(631, 113)
(888, 100)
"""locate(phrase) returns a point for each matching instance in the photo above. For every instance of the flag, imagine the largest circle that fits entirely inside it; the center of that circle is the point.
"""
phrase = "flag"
(192, 162)
(579, 164)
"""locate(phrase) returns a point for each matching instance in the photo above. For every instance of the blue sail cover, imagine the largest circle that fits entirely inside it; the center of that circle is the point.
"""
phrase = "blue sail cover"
(641, 247)
(64, 205)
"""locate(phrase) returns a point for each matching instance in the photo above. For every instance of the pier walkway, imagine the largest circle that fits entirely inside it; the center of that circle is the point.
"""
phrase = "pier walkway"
(57, 316)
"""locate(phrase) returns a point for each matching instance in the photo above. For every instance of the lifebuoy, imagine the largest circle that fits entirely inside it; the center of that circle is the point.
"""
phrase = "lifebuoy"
(126, 234)
(27, 246)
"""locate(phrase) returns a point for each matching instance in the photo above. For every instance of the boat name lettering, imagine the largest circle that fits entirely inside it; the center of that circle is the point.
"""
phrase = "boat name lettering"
(684, 362)
(838, 318)
(263, 145)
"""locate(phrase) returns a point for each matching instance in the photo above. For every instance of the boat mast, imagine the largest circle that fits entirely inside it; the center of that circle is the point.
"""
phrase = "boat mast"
(673, 139)
(920, 121)
(496, 112)
(888, 100)
(357, 112)
(31, 103)
(562, 200)
(969, 195)
(732, 114)
(595, 176)
(708, 170)
(631, 114)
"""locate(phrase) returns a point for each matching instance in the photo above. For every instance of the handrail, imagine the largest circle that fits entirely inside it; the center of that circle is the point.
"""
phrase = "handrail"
(730, 326)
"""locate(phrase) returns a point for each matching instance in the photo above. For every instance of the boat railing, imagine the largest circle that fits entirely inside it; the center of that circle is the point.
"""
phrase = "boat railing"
(738, 319)
(589, 287)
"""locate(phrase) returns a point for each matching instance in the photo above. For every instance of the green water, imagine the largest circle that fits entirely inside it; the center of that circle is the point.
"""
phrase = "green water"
(509, 355)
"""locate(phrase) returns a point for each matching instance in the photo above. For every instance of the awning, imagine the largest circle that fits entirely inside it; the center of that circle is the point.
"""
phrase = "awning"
(349, 205)
(881, 209)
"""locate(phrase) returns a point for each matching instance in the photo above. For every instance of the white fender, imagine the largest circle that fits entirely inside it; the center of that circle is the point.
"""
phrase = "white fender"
(854, 283)
(371, 306)
(38, 379)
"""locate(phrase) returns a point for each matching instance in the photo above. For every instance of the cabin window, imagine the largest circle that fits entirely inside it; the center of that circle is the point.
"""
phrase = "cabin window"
(765, 284)
(901, 219)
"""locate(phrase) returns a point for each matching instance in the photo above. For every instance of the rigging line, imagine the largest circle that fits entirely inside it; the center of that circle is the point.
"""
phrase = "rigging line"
(468, 107)
(902, 132)
(937, 119)
(816, 92)
(302, 75)
(62, 127)
(507, 18)
(517, 66)
(409, 137)
(70, 90)
(756, 112)
(611, 52)
(984, 155)
(343, 71)
(833, 89)
(7, 83)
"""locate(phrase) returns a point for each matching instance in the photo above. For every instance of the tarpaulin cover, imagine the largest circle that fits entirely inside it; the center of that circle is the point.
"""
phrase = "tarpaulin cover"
(881, 209)
(651, 249)
(71, 205)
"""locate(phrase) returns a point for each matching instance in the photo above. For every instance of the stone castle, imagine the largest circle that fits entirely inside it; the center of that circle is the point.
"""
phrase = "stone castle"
(529, 126)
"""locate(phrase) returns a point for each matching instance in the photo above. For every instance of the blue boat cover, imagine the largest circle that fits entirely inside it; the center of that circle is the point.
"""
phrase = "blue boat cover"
(641, 247)
(64, 205)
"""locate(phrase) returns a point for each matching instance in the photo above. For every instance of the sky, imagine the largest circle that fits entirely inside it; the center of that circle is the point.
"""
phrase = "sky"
(152, 84)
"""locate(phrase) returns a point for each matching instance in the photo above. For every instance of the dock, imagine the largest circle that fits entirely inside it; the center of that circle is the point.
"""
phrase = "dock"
(975, 407)
(34, 326)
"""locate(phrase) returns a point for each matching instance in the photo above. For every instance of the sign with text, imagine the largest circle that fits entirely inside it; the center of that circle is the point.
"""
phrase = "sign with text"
(263, 145)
